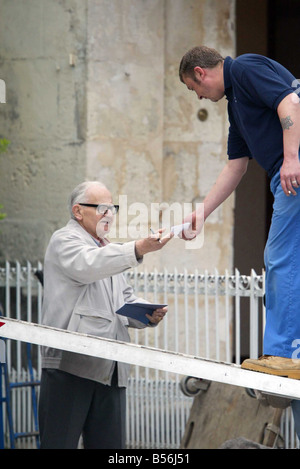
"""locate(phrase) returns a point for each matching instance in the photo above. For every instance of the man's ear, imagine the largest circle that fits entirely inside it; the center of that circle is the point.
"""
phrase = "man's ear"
(199, 73)
(76, 209)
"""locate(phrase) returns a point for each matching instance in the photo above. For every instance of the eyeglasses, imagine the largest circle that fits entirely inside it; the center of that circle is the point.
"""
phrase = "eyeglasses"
(102, 209)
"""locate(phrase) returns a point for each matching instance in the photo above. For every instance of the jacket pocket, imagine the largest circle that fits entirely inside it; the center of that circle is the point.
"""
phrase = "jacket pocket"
(94, 322)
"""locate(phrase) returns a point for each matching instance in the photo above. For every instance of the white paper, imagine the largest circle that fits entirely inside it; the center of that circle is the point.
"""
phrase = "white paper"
(177, 229)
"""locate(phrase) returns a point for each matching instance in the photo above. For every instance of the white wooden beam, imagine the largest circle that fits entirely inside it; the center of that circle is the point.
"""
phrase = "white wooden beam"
(133, 354)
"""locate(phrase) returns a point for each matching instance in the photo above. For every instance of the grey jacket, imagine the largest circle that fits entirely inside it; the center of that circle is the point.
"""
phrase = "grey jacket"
(83, 288)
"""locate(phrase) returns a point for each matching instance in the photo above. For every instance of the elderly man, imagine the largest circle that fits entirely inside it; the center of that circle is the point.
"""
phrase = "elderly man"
(83, 288)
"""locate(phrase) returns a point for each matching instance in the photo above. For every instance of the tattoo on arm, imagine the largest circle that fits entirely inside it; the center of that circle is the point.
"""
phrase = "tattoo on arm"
(286, 122)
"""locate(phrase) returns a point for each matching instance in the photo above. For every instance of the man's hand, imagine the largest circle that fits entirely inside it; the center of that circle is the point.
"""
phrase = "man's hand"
(196, 220)
(290, 176)
(152, 243)
(157, 315)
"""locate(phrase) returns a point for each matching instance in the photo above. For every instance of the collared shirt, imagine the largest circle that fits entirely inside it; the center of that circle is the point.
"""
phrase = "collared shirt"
(254, 87)
(101, 242)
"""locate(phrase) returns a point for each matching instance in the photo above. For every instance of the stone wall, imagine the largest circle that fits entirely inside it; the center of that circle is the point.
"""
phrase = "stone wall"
(93, 93)
(44, 118)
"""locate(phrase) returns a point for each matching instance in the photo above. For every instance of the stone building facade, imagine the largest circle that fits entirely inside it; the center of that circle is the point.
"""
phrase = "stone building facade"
(92, 92)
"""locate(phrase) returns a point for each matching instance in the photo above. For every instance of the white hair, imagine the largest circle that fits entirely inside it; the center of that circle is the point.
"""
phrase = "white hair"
(78, 194)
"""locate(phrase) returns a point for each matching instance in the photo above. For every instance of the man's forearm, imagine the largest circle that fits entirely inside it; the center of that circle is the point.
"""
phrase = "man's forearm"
(226, 183)
(289, 115)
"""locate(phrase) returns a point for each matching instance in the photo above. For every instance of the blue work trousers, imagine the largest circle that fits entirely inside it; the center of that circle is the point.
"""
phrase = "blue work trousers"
(282, 262)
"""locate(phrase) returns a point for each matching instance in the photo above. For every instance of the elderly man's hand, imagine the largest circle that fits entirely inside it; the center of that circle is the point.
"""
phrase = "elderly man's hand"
(152, 243)
(157, 315)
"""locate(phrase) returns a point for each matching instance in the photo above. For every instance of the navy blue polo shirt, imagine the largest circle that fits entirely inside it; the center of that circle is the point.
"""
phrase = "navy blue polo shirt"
(254, 87)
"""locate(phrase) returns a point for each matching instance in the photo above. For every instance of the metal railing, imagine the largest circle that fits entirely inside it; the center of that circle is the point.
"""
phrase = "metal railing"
(204, 319)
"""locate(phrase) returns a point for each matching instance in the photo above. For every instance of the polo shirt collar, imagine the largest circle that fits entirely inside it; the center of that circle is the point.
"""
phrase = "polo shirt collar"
(227, 78)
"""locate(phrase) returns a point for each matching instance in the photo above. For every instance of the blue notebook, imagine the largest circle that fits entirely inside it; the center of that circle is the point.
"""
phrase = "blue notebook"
(139, 310)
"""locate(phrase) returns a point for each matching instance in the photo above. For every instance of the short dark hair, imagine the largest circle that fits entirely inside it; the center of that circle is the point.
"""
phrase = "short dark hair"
(201, 56)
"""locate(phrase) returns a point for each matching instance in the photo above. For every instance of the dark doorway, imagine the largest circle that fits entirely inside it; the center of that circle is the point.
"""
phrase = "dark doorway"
(267, 27)
(284, 39)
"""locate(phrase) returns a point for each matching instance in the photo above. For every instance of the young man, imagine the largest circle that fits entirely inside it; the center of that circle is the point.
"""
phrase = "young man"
(264, 116)
(83, 288)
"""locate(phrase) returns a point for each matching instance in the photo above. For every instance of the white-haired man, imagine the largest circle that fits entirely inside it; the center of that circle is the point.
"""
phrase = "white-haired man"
(83, 288)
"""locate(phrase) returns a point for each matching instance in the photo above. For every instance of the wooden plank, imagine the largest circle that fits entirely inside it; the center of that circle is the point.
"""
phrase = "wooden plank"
(134, 354)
